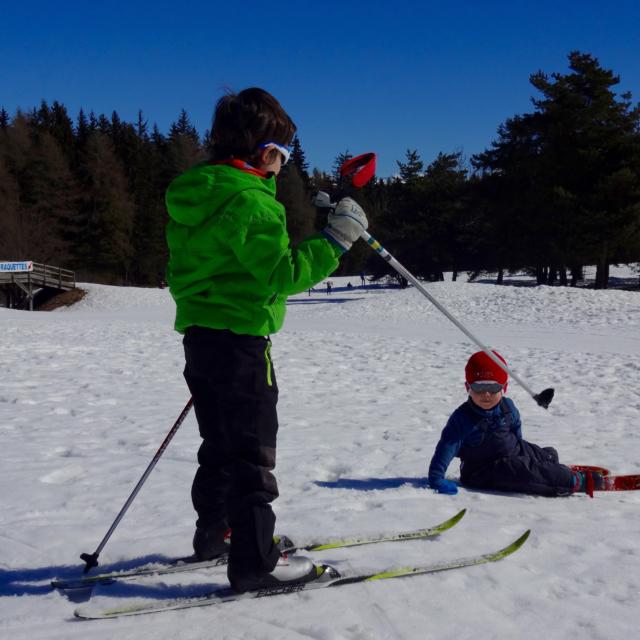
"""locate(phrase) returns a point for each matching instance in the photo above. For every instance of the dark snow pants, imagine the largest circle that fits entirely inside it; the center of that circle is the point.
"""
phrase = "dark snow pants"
(534, 470)
(234, 390)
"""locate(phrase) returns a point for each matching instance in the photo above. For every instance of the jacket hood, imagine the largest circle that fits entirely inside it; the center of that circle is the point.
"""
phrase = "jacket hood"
(202, 190)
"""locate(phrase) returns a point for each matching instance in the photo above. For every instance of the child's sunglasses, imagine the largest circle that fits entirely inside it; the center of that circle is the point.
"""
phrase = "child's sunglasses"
(285, 152)
(484, 387)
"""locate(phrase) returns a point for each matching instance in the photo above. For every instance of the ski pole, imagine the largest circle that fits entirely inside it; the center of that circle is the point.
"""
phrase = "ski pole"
(91, 559)
(543, 398)
(362, 169)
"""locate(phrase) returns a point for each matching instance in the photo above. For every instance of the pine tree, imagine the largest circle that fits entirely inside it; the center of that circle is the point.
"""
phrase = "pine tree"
(567, 176)
(47, 189)
(338, 180)
(183, 127)
(298, 159)
(103, 225)
(82, 130)
(12, 240)
(510, 198)
(42, 116)
(126, 144)
(293, 195)
(424, 214)
(104, 125)
(93, 121)
(184, 148)
(150, 251)
(142, 127)
(412, 168)
(61, 128)
(593, 138)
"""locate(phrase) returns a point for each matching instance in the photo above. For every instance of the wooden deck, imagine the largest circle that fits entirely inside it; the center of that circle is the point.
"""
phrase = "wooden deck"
(20, 287)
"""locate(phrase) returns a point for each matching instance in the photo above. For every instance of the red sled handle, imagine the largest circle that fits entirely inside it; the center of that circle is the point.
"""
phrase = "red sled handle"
(361, 169)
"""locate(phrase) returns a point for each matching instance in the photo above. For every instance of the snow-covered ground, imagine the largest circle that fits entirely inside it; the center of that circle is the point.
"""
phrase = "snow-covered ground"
(367, 379)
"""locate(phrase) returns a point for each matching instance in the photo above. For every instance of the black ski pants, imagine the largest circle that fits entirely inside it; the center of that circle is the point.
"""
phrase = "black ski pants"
(234, 390)
(534, 470)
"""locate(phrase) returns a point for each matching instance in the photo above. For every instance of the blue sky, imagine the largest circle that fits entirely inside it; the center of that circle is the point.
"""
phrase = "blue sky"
(357, 76)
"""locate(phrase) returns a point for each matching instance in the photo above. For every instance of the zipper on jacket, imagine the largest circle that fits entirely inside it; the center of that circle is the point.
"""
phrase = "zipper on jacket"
(267, 357)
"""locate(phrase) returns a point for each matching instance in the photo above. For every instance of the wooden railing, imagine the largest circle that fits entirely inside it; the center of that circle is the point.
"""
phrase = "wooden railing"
(42, 275)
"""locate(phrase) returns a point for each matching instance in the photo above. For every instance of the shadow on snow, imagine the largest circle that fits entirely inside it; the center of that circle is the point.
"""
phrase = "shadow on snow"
(36, 581)
(330, 298)
(371, 484)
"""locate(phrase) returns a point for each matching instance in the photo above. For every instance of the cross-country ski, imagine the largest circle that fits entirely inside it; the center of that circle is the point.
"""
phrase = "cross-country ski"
(189, 564)
(328, 577)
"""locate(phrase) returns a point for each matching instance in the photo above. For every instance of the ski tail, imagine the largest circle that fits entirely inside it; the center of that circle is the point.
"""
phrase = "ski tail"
(621, 483)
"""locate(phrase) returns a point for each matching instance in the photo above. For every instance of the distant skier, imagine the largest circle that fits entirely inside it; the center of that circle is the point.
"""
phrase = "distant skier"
(363, 279)
(486, 434)
(329, 286)
(230, 271)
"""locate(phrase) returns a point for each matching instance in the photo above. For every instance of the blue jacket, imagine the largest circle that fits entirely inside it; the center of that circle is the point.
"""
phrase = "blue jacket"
(465, 431)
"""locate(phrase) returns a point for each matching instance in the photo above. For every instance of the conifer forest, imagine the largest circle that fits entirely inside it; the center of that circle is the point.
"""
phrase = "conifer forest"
(556, 190)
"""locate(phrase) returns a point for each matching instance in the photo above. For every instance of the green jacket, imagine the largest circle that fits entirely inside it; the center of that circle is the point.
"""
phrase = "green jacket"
(230, 265)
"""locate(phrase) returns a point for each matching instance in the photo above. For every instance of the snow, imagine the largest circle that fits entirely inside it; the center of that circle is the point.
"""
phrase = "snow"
(367, 380)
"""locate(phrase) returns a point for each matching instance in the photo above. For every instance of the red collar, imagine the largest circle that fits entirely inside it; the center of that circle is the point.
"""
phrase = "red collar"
(243, 166)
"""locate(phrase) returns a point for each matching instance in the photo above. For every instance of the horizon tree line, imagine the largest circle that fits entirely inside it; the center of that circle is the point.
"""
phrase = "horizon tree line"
(558, 189)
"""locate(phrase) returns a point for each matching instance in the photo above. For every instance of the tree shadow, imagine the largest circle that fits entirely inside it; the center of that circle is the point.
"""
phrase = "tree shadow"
(372, 484)
(330, 299)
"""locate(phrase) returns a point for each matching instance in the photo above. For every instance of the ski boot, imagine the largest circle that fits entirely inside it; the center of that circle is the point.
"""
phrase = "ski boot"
(289, 574)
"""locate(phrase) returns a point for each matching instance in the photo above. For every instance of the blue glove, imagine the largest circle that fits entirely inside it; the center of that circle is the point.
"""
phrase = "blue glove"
(448, 487)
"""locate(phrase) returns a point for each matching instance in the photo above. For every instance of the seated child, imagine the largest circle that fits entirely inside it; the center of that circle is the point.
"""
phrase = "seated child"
(486, 434)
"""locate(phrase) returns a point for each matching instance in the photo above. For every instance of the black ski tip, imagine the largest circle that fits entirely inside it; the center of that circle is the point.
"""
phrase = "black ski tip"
(91, 560)
(544, 398)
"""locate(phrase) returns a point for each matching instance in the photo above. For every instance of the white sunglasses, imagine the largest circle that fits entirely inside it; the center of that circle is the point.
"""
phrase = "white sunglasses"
(284, 151)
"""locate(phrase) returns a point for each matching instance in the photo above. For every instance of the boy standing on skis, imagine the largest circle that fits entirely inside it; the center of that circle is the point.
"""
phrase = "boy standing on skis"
(230, 271)
(486, 434)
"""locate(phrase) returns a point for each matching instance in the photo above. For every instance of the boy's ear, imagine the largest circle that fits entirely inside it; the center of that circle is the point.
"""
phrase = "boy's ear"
(267, 156)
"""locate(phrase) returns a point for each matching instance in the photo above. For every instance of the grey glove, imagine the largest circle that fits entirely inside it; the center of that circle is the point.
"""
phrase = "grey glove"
(346, 223)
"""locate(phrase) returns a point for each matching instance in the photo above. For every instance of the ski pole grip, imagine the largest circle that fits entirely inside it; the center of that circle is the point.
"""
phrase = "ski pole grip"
(361, 169)
(91, 560)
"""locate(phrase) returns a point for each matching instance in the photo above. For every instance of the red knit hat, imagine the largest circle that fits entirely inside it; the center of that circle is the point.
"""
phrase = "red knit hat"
(481, 368)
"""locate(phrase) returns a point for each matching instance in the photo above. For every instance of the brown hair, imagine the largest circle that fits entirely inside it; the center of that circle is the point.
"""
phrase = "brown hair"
(244, 120)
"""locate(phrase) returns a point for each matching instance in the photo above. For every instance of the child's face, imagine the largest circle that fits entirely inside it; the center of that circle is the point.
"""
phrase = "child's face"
(485, 399)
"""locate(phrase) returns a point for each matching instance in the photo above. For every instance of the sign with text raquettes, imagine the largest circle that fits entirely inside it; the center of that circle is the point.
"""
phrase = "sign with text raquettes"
(16, 267)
